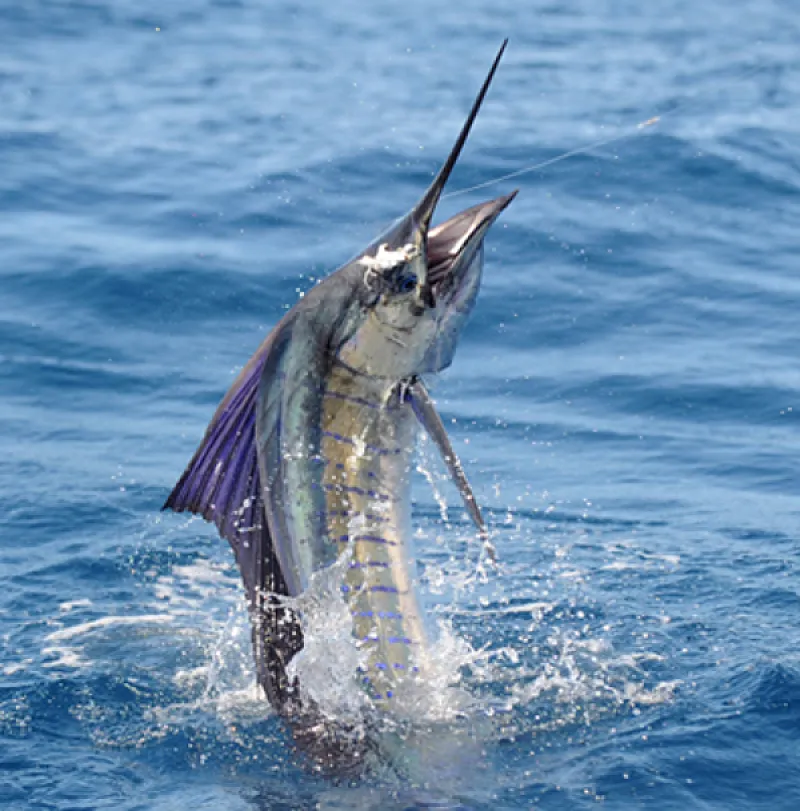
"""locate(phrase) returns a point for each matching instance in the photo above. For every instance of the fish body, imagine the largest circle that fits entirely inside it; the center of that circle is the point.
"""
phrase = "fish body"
(369, 435)
(307, 461)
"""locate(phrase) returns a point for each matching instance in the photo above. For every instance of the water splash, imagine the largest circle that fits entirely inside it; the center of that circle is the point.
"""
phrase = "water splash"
(524, 652)
(327, 665)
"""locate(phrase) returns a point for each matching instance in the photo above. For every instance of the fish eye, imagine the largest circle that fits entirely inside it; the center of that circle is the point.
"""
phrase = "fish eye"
(406, 282)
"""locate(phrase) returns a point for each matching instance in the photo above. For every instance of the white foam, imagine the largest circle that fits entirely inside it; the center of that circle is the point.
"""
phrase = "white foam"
(64, 657)
(84, 628)
(16, 667)
(71, 605)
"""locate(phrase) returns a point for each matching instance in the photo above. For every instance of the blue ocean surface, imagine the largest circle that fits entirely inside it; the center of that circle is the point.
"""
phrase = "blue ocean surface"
(625, 398)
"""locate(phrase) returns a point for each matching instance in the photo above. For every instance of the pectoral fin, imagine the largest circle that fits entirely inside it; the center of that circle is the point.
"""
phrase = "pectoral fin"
(426, 412)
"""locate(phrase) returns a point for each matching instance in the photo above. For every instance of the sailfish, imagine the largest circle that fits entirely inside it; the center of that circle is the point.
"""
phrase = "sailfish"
(308, 457)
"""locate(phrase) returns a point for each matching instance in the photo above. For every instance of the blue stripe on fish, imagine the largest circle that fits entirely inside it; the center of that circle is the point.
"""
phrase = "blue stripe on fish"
(366, 539)
(392, 640)
(347, 488)
(338, 395)
(370, 564)
(341, 466)
(372, 448)
(384, 615)
(378, 519)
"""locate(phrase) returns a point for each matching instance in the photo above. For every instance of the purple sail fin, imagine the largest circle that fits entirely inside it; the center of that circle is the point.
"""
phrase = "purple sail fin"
(222, 483)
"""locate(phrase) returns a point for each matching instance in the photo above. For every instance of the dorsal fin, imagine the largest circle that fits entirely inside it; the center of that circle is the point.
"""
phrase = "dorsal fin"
(222, 483)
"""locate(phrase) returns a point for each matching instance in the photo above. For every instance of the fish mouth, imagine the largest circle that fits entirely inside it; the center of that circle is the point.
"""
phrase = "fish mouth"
(453, 239)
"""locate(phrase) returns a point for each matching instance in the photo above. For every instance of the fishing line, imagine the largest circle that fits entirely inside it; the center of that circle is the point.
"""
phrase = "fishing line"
(563, 156)
(628, 132)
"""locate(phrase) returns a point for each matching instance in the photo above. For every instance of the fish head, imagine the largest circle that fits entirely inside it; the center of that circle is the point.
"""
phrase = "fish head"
(417, 284)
